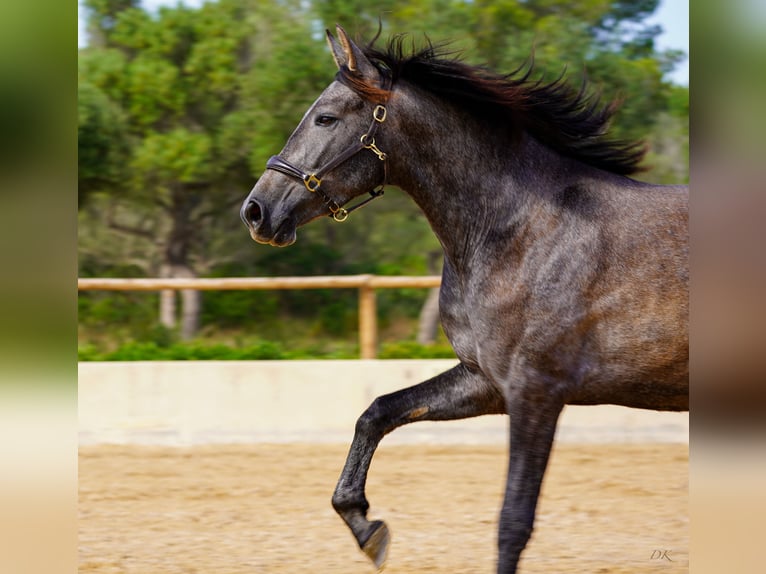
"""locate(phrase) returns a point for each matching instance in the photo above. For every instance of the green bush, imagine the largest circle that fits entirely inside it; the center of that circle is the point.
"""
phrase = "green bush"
(196, 351)
(258, 351)
(413, 350)
(262, 351)
(88, 353)
(237, 308)
(136, 351)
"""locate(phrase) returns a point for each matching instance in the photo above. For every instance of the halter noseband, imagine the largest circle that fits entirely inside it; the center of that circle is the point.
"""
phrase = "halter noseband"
(313, 180)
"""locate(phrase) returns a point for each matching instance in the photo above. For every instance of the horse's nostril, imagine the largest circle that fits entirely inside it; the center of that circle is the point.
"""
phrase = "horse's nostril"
(251, 214)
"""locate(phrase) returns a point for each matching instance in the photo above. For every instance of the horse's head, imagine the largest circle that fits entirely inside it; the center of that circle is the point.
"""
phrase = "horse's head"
(326, 161)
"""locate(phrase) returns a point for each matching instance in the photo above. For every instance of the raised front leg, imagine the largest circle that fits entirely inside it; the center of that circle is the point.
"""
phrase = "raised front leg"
(533, 426)
(455, 394)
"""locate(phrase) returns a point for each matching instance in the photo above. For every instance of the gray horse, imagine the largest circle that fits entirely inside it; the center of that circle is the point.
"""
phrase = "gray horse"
(564, 282)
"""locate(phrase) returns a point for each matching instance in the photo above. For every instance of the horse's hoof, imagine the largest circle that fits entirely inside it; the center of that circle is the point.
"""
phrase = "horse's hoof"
(376, 545)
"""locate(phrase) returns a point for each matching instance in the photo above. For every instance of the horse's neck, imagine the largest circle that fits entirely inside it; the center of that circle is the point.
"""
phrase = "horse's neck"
(471, 181)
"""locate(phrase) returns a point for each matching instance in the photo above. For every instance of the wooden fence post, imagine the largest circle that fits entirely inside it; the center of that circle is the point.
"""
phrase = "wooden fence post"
(368, 322)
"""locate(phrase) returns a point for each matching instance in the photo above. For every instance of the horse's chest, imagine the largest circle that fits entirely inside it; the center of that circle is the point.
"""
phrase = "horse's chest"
(480, 320)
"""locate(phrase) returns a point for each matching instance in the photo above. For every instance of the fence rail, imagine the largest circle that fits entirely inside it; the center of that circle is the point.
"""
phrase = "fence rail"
(366, 284)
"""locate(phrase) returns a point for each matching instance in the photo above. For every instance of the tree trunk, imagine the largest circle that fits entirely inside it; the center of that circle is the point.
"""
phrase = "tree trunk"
(167, 302)
(177, 265)
(428, 323)
(191, 305)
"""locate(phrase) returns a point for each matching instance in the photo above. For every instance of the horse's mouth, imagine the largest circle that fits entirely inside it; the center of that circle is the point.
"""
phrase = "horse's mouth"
(284, 235)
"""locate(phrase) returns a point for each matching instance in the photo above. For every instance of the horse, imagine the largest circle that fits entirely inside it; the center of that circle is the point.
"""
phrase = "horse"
(564, 282)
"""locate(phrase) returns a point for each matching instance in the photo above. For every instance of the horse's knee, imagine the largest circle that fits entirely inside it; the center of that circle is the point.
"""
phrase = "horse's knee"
(371, 421)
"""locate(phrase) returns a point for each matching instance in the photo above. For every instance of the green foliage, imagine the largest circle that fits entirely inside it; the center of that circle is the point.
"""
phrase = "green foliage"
(126, 315)
(239, 308)
(173, 157)
(196, 351)
(152, 92)
(258, 351)
(413, 350)
(290, 69)
(101, 138)
(669, 143)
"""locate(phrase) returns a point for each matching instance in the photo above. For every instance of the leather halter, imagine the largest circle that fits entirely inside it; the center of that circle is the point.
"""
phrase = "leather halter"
(313, 180)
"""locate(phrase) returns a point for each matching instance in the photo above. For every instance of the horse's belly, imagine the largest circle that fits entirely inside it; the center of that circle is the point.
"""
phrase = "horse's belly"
(658, 387)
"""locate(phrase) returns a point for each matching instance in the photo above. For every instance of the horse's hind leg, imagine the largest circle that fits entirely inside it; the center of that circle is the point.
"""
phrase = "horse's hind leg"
(455, 394)
(533, 426)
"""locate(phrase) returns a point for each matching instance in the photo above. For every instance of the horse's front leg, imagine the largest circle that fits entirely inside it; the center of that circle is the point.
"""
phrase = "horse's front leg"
(533, 426)
(455, 394)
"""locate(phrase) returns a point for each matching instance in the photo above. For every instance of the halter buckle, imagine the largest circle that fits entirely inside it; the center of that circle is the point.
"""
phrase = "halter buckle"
(311, 182)
(379, 113)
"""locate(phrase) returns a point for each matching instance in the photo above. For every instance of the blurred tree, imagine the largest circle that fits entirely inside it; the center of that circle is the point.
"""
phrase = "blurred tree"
(101, 140)
(173, 114)
(669, 141)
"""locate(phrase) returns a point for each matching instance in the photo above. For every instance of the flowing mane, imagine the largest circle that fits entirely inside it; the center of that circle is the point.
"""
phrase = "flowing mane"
(573, 123)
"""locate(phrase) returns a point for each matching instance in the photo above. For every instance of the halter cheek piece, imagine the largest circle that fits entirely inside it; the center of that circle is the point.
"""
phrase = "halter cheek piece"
(313, 181)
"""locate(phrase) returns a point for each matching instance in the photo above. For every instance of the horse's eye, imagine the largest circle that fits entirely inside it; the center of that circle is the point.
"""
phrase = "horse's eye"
(325, 120)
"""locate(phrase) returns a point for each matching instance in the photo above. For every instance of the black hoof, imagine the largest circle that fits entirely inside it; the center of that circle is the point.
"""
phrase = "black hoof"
(375, 543)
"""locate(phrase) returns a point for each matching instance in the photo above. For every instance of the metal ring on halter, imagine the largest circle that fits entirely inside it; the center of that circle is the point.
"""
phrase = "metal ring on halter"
(340, 216)
(372, 147)
(336, 211)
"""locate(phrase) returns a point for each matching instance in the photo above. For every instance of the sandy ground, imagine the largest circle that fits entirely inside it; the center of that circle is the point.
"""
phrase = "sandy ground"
(605, 508)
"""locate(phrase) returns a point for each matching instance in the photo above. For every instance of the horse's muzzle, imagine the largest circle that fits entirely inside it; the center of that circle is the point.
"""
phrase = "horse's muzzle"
(262, 228)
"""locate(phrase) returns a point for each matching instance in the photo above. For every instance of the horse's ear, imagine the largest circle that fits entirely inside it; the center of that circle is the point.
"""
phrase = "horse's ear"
(347, 53)
(337, 50)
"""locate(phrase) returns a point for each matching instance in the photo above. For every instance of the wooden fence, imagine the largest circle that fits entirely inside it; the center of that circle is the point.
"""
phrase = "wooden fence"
(366, 284)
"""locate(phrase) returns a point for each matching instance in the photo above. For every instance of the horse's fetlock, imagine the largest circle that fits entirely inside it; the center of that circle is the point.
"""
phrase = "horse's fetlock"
(344, 501)
(514, 537)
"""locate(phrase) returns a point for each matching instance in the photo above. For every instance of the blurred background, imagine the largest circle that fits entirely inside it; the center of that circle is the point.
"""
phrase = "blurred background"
(181, 104)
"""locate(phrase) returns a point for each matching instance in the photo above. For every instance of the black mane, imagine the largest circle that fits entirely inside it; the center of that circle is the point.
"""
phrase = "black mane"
(573, 123)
